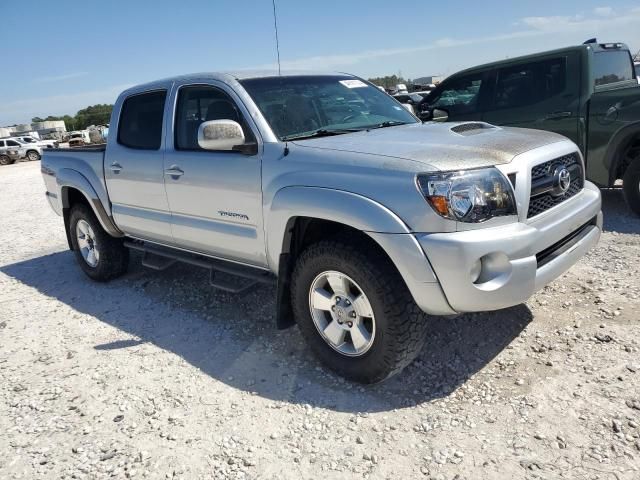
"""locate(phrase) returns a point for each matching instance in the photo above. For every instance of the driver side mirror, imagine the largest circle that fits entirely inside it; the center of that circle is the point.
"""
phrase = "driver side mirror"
(438, 115)
(220, 135)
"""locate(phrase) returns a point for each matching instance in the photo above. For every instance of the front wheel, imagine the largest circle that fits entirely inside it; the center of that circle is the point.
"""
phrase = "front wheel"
(33, 156)
(101, 256)
(355, 311)
(631, 182)
(5, 160)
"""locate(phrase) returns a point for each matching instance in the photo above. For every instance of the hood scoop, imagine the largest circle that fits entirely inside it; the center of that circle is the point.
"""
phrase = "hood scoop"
(471, 128)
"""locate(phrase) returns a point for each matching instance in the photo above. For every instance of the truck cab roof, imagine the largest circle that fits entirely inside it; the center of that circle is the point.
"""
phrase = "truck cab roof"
(595, 47)
(227, 76)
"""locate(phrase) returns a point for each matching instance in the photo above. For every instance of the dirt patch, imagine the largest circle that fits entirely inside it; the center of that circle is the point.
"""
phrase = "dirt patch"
(156, 375)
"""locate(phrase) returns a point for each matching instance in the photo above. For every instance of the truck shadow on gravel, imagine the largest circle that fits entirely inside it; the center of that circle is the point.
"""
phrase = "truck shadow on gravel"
(234, 340)
(617, 216)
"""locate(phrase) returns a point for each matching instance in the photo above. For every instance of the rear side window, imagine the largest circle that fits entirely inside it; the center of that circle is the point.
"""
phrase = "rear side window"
(528, 84)
(612, 67)
(140, 123)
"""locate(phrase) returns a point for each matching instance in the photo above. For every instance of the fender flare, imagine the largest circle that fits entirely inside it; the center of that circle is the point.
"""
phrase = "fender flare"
(617, 143)
(339, 206)
(364, 214)
(67, 178)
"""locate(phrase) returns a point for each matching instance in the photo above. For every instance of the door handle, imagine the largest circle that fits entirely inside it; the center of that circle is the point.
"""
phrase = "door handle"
(557, 115)
(174, 171)
(115, 167)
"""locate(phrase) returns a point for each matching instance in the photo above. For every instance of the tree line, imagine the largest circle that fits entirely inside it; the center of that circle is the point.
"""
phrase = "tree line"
(390, 81)
(99, 114)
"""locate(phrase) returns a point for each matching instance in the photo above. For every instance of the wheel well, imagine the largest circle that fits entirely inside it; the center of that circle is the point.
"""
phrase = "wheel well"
(300, 233)
(625, 160)
(70, 197)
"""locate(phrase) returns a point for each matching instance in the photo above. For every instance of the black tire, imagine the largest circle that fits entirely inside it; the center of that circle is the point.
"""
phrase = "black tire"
(33, 156)
(6, 160)
(114, 256)
(631, 184)
(400, 325)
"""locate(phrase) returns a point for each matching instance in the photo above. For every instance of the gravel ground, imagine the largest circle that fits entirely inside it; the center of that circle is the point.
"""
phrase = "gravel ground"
(156, 375)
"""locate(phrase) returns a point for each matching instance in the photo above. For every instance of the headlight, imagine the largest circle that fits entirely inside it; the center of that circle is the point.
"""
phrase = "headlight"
(470, 196)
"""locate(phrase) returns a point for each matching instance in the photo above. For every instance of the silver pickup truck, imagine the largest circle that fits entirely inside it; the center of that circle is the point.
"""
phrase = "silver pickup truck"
(365, 217)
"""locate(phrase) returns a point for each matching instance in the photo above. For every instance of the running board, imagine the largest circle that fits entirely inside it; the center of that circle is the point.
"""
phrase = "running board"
(226, 276)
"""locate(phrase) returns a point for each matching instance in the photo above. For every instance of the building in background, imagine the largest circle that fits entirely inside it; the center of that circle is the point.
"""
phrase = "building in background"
(47, 130)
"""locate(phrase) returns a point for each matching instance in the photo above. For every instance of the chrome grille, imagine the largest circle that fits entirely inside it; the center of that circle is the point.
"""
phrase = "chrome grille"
(545, 192)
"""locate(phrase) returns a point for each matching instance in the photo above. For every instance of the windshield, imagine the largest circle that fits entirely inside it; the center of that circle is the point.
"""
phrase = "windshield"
(299, 106)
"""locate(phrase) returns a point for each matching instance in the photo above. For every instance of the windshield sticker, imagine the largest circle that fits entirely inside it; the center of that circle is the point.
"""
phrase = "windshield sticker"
(353, 83)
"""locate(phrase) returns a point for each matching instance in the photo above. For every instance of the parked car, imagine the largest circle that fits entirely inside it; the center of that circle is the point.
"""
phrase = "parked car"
(32, 152)
(79, 137)
(364, 216)
(636, 65)
(8, 155)
(409, 100)
(29, 140)
(588, 93)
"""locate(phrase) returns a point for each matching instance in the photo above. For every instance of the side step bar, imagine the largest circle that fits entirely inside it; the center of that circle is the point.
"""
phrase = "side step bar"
(227, 276)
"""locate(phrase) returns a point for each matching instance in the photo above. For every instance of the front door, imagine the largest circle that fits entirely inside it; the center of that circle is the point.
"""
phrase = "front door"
(215, 197)
(134, 169)
(461, 97)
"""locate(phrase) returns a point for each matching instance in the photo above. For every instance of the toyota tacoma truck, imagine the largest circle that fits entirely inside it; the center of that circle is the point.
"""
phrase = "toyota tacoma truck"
(366, 219)
(588, 92)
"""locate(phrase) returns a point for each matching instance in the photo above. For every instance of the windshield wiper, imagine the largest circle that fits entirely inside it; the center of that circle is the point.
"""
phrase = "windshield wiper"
(388, 123)
(322, 132)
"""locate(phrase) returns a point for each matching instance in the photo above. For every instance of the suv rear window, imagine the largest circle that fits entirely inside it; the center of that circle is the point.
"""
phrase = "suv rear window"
(612, 67)
(140, 123)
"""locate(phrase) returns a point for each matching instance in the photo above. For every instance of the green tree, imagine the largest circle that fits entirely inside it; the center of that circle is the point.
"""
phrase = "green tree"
(389, 81)
(92, 115)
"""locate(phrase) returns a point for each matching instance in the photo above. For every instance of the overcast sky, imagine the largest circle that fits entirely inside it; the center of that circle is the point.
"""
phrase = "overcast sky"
(63, 56)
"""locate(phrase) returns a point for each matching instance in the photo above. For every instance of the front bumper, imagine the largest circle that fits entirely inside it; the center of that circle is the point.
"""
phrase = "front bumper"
(516, 259)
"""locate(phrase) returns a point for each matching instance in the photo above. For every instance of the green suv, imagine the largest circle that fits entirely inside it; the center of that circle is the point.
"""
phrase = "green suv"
(588, 93)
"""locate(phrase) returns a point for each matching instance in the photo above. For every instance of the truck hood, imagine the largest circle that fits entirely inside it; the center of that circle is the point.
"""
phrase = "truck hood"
(443, 146)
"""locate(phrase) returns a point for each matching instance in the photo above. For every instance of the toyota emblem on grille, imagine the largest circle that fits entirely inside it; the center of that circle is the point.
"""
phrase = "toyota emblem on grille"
(562, 181)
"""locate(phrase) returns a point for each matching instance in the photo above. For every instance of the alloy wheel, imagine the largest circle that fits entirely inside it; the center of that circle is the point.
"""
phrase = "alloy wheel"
(342, 313)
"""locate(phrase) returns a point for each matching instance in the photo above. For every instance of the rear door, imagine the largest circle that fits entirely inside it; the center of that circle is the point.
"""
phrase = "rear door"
(215, 196)
(134, 168)
(542, 94)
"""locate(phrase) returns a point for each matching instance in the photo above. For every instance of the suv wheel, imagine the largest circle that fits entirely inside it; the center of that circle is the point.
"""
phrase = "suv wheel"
(5, 160)
(33, 156)
(631, 180)
(101, 256)
(355, 311)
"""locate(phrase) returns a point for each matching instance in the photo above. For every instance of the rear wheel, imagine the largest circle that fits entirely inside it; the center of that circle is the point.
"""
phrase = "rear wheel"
(631, 180)
(355, 311)
(5, 160)
(33, 156)
(101, 256)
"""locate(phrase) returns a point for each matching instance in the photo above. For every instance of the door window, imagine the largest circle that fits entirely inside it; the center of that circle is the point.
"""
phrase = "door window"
(528, 84)
(460, 95)
(612, 67)
(140, 123)
(12, 143)
(199, 104)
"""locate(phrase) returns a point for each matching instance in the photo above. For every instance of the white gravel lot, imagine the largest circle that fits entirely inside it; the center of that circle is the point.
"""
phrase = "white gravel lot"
(156, 375)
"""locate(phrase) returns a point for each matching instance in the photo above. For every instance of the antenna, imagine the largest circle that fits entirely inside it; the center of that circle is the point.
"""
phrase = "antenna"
(275, 26)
